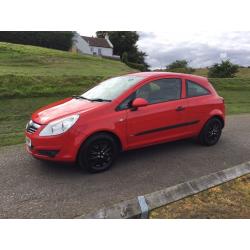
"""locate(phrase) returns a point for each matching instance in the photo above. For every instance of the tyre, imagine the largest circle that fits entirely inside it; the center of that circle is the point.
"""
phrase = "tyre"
(98, 153)
(211, 132)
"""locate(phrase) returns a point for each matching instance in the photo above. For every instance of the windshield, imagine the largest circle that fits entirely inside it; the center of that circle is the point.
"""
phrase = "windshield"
(111, 88)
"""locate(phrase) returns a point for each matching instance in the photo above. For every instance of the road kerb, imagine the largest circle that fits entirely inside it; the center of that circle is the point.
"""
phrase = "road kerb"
(132, 209)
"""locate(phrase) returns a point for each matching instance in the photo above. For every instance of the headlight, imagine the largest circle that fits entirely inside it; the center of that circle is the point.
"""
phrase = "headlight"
(59, 126)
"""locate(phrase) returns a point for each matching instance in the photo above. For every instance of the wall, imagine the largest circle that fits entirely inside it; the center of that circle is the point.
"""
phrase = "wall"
(104, 51)
(80, 45)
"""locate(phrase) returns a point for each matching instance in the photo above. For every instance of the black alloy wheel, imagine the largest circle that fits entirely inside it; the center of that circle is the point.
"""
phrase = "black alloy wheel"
(98, 153)
(211, 132)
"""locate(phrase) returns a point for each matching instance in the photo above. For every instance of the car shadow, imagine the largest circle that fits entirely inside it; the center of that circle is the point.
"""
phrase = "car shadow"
(124, 159)
(156, 150)
(59, 168)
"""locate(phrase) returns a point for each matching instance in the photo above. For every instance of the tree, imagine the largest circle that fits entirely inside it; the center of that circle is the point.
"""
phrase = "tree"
(125, 57)
(225, 69)
(101, 34)
(125, 41)
(61, 40)
(180, 66)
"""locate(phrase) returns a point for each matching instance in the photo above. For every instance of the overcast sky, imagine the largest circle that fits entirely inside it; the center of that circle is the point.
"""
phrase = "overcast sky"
(201, 49)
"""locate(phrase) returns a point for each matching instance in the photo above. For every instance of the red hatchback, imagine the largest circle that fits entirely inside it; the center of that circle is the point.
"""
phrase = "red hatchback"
(124, 113)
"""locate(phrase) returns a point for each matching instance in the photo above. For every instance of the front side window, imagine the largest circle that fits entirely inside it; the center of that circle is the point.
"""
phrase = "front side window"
(161, 90)
(112, 88)
(194, 89)
(127, 103)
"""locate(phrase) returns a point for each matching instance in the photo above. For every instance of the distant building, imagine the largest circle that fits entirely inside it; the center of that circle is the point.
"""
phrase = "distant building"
(93, 46)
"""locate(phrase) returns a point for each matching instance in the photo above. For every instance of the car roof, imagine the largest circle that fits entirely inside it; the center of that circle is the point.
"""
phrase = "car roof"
(147, 75)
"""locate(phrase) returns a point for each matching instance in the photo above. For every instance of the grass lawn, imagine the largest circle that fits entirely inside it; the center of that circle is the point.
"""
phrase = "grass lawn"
(24, 60)
(12, 123)
(30, 71)
(236, 92)
(31, 77)
(227, 201)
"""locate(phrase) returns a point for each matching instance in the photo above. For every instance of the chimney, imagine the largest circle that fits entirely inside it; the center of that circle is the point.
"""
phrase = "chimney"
(107, 38)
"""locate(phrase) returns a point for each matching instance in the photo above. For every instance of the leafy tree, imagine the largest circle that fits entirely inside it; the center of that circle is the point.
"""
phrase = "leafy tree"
(136, 56)
(125, 41)
(125, 57)
(61, 40)
(225, 69)
(121, 40)
(101, 34)
(180, 66)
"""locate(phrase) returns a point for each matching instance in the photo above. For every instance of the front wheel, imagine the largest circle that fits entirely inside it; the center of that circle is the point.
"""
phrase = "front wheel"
(98, 153)
(211, 132)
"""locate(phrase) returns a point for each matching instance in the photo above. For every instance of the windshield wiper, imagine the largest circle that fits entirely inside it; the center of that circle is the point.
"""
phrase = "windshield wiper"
(100, 100)
(92, 100)
(80, 97)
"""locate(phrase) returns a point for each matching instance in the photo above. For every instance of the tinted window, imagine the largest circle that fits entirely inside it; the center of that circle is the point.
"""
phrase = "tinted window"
(161, 90)
(126, 103)
(194, 89)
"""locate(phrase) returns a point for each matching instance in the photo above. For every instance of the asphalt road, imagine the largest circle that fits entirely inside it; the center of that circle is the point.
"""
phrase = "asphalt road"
(34, 189)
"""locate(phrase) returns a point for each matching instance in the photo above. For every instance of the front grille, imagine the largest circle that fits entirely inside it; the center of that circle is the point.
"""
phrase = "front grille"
(32, 127)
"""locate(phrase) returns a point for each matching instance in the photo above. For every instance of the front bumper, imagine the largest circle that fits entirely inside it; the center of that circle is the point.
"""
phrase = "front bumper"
(62, 147)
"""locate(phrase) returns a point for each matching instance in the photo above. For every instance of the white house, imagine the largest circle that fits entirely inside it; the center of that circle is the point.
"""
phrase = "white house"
(79, 45)
(93, 46)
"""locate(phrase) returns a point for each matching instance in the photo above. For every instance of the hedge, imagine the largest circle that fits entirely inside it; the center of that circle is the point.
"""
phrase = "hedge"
(61, 40)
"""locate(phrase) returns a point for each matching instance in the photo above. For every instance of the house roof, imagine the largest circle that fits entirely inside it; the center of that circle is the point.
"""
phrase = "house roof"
(97, 42)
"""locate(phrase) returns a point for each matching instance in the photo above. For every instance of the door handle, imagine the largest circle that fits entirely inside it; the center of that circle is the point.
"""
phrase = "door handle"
(180, 108)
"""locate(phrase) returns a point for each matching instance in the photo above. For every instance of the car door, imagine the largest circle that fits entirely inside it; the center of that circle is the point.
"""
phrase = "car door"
(196, 107)
(161, 119)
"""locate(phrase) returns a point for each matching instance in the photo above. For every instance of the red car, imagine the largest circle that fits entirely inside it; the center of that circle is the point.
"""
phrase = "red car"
(124, 113)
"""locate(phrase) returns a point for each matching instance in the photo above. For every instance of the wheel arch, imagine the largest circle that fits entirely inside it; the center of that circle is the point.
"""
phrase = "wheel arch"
(219, 118)
(216, 113)
(111, 133)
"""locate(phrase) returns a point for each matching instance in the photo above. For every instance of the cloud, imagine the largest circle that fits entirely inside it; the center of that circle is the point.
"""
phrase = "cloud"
(201, 49)
(223, 56)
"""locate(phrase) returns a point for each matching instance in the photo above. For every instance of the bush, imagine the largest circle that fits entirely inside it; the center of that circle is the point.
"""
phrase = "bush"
(223, 70)
(177, 64)
(180, 66)
(61, 40)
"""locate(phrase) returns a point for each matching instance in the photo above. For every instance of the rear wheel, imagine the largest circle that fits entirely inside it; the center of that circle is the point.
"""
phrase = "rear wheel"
(211, 132)
(98, 153)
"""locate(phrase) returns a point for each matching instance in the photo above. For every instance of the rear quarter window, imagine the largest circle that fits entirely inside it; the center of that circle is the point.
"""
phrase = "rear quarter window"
(194, 89)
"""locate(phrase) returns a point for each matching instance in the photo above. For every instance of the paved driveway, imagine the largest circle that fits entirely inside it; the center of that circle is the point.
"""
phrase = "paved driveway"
(34, 189)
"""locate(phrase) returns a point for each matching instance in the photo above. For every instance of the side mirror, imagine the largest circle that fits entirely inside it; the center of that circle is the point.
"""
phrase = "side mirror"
(139, 102)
